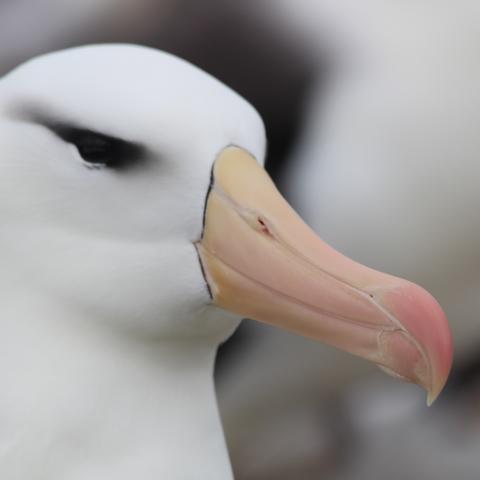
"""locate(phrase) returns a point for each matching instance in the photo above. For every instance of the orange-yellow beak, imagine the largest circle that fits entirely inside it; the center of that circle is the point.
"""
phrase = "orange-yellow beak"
(263, 262)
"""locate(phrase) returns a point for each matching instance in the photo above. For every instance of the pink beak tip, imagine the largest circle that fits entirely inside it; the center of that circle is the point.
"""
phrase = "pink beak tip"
(427, 326)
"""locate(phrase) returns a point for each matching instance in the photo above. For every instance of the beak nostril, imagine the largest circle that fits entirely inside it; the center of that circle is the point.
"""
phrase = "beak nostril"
(263, 227)
(256, 222)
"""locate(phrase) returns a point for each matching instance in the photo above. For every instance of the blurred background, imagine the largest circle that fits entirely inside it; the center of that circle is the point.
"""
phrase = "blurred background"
(372, 111)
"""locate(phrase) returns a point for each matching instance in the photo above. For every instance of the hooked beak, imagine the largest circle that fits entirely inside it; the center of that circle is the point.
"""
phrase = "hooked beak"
(263, 262)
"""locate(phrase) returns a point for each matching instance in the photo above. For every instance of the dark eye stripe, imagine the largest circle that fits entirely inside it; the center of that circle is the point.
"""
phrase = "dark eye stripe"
(98, 149)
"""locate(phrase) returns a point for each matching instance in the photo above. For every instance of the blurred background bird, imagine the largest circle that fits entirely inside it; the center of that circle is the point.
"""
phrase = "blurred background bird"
(370, 107)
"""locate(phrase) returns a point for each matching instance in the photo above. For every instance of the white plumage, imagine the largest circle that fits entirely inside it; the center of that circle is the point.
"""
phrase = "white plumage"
(107, 335)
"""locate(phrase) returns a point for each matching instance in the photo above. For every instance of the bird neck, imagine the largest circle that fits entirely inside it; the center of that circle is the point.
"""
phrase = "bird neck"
(80, 402)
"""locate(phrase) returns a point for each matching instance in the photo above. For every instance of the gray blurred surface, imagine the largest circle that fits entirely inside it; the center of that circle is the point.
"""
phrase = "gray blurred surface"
(386, 171)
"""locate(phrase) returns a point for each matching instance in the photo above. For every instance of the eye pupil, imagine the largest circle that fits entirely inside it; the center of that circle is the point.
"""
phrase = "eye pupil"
(94, 149)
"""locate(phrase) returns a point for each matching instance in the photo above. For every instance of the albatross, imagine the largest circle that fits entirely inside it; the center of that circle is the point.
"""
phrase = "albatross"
(138, 227)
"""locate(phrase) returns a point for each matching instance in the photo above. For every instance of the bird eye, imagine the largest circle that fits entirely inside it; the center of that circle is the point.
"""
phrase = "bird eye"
(99, 150)
(95, 149)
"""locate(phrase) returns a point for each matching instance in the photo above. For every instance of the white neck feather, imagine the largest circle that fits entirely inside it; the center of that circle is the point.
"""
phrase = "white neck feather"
(79, 401)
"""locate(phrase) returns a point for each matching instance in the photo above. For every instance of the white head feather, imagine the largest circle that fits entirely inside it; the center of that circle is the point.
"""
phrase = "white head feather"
(117, 244)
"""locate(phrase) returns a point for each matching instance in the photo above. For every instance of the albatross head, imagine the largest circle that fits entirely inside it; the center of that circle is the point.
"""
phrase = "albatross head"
(131, 189)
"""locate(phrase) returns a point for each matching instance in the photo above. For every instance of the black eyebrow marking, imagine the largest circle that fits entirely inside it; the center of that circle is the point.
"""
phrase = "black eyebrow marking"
(99, 149)
(103, 150)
